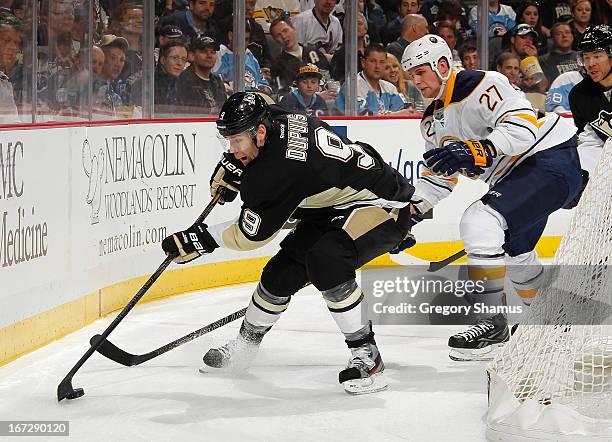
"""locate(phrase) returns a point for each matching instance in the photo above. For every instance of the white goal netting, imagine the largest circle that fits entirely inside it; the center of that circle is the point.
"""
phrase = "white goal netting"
(553, 380)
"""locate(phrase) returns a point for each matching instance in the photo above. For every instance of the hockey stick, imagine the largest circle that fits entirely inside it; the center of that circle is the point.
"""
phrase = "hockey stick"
(114, 353)
(434, 266)
(65, 390)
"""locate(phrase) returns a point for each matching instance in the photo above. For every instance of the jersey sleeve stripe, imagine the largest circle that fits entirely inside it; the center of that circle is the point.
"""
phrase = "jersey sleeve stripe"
(524, 127)
(529, 118)
(510, 111)
(430, 173)
(436, 184)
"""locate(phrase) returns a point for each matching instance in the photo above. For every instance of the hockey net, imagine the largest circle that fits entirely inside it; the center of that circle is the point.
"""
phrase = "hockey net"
(553, 380)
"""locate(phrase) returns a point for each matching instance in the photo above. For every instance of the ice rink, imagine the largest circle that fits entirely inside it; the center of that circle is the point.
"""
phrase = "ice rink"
(290, 393)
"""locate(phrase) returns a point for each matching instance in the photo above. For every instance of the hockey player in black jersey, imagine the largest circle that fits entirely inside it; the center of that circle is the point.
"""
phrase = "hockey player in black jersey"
(590, 100)
(350, 205)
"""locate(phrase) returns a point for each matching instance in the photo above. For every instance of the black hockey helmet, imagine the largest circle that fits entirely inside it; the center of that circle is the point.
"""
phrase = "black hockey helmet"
(596, 38)
(243, 112)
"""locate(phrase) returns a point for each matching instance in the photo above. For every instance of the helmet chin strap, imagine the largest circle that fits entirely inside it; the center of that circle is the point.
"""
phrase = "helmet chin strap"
(444, 80)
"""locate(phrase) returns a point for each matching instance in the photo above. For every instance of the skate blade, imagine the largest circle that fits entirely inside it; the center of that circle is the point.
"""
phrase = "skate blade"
(366, 385)
(478, 354)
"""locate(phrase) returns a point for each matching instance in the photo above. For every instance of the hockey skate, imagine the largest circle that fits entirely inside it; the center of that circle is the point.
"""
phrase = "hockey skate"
(480, 341)
(237, 354)
(363, 373)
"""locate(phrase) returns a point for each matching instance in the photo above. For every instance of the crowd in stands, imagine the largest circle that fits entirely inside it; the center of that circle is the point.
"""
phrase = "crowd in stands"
(295, 53)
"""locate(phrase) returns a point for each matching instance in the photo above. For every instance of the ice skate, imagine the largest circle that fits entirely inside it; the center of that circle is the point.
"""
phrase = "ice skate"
(363, 373)
(237, 354)
(480, 341)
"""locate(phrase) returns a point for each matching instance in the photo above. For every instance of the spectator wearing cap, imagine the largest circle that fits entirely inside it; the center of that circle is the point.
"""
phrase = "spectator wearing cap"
(197, 20)
(523, 43)
(554, 11)
(111, 93)
(254, 79)
(502, 19)
(199, 90)
(305, 97)
(581, 18)
(561, 58)
(166, 34)
(318, 27)
(395, 25)
(172, 61)
(375, 96)
(286, 65)
(127, 21)
(414, 27)
(468, 53)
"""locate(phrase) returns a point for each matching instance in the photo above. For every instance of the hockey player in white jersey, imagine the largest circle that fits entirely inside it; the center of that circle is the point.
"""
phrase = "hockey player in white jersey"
(479, 126)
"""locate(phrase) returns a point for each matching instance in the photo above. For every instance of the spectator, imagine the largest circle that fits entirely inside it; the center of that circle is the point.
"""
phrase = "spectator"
(166, 34)
(395, 25)
(394, 74)
(414, 27)
(523, 43)
(447, 31)
(561, 58)
(10, 48)
(602, 12)
(453, 12)
(8, 109)
(508, 63)
(111, 93)
(197, 20)
(293, 55)
(199, 90)
(172, 61)
(529, 13)
(469, 56)
(375, 96)
(556, 10)
(338, 60)
(502, 19)
(319, 28)
(254, 79)
(258, 43)
(557, 97)
(168, 7)
(305, 98)
(374, 14)
(127, 22)
(581, 15)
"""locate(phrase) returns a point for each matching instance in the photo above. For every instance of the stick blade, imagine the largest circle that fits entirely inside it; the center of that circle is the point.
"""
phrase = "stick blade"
(112, 352)
(66, 391)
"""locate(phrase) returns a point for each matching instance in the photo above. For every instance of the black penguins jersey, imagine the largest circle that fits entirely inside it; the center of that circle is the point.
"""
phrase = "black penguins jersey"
(306, 170)
(591, 108)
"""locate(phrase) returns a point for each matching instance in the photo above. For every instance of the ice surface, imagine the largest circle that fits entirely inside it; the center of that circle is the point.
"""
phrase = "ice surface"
(290, 393)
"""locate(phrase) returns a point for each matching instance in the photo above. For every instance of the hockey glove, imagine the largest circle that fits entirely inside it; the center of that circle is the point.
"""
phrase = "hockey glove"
(189, 244)
(407, 218)
(226, 178)
(470, 155)
(574, 202)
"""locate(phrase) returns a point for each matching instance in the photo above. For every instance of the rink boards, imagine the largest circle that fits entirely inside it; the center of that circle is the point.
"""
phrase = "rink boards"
(83, 209)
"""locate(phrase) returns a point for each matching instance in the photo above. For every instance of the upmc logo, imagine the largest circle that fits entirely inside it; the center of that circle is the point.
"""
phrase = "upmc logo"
(12, 186)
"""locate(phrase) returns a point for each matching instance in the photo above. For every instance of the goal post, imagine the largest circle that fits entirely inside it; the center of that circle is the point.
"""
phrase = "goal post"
(553, 380)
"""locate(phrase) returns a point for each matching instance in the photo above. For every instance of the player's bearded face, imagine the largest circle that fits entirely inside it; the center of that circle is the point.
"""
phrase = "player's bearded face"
(426, 80)
(243, 147)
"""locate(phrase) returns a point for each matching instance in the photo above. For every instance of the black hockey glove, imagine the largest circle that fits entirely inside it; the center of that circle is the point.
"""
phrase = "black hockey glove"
(470, 155)
(574, 202)
(226, 178)
(189, 244)
(407, 218)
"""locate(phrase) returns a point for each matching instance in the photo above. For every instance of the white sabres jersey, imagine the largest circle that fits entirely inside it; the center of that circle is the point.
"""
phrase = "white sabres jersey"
(483, 105)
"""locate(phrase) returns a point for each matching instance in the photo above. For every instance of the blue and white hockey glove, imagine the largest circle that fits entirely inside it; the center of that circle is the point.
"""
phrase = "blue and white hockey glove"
(189, 244)
(226, 178)
(470, 155)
